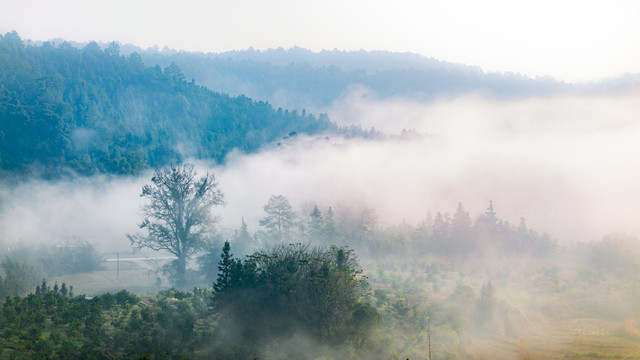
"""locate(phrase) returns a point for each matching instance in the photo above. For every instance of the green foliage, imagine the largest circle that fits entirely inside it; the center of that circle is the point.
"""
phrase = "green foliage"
(279, 220)
(178, 214)
(225, 270)
(258, 305)
(18, 277)
(315, 224)
(291, 290)
(170, 325)
(92, 111)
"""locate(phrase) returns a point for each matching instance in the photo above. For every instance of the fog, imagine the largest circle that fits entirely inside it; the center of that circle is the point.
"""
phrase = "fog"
(94, 209)
(567, 164)
(570, 165)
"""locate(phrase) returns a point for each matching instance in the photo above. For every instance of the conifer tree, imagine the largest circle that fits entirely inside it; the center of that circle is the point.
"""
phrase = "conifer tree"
(280, 218)
(316, 224)
(225, 267)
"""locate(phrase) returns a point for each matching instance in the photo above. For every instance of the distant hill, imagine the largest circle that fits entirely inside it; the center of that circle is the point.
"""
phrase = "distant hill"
(299, 78)
(91, 110)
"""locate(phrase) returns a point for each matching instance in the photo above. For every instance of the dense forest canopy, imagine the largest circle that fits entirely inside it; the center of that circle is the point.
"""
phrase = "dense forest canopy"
(93, 111)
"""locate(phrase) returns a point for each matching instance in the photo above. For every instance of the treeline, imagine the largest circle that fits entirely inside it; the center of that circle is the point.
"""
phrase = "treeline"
(357, 227)
(93, 111)
(23, 267)
(299, 78)
(488, 234)
(293, 301)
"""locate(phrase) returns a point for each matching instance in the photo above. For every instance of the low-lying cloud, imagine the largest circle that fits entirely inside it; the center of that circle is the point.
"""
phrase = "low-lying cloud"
(570, 165)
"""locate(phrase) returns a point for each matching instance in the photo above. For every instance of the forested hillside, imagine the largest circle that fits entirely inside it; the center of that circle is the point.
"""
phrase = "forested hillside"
(93, 111)
(299, 78)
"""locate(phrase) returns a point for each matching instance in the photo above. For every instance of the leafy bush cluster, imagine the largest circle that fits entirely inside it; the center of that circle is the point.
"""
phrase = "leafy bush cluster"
(292, 290)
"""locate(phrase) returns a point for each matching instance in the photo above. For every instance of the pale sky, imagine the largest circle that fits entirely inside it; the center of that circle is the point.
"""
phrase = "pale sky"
(571, 40)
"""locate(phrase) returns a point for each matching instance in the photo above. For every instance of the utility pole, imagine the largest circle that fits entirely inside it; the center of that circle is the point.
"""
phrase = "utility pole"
(117, 266)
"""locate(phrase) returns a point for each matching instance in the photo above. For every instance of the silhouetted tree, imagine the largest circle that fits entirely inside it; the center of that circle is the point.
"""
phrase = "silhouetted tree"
(242, 240)
(292, 288)
(178, 214)
(224, 269)
(329, 229)
(461, 228)
(316, 224)
(280, 217)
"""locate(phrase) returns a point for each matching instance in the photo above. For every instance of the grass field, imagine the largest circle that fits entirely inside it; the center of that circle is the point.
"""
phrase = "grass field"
(566, 339)
(539, 313)
(131, 277)
(542, 310)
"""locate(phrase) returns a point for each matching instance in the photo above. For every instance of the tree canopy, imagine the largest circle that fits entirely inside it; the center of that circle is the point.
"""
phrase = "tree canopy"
(279, 219)
(89, 111)
(178, 213)
(292, 288)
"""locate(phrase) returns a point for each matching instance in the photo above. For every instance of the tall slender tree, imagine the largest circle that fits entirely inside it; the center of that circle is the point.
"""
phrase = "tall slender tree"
(280, 217)
(316, 224)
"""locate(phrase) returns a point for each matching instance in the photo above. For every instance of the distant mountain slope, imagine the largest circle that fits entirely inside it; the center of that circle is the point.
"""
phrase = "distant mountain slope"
(91, 111)
(298, 78)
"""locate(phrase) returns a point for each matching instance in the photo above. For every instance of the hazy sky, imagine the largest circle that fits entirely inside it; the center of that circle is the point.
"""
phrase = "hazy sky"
(573, 40)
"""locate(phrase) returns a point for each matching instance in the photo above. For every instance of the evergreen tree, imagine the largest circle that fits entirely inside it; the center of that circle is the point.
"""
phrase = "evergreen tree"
(280, 218)
(94, 111)
(316, 224)
(490, 214)
(225, 267)
(329, 231)
(242, 240)
(442, 231)
(486, 228)
(461, 228)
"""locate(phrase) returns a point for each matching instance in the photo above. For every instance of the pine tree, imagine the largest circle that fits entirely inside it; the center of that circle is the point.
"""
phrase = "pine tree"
(329, 229)
(225, 268)
(316, 224)
(242, 239)
(44, 288)
(490, 214)
(280, 218)
(461, 226)
(442, 229)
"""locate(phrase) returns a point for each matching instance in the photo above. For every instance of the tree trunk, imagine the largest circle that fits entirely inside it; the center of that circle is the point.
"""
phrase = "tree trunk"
(181, 277)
